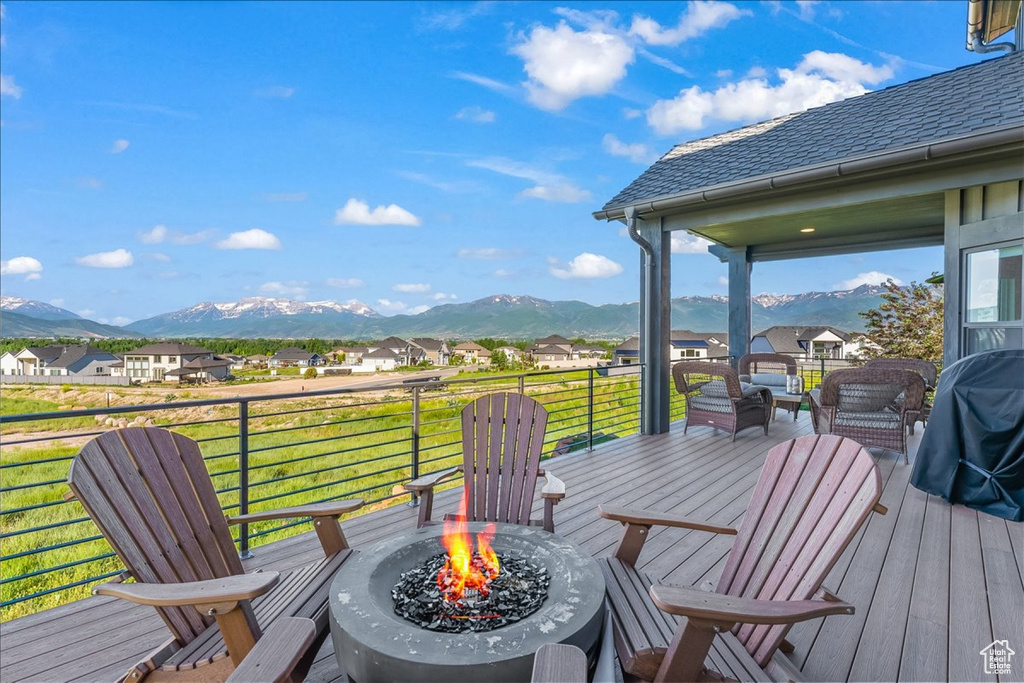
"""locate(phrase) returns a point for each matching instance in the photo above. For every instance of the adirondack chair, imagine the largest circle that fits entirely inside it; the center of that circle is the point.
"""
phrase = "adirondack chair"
(149, 492)
(502, 440)
(813, 494)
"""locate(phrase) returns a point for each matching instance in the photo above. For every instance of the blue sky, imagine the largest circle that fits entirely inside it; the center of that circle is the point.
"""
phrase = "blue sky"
(155, 155)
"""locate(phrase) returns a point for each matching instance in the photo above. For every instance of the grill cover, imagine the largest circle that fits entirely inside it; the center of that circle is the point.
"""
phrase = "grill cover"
(972, 452)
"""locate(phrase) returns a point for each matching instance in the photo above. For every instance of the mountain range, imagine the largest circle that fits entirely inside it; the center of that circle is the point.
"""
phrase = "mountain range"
(499, 316)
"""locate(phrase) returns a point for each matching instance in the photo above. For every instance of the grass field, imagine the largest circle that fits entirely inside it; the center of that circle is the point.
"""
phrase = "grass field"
(299, 451)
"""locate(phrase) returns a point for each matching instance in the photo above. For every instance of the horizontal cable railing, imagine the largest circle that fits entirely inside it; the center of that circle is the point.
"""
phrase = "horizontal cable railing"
(272, 451)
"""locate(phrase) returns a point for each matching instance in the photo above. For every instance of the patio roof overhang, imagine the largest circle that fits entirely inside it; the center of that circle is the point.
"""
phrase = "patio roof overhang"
(888, 200)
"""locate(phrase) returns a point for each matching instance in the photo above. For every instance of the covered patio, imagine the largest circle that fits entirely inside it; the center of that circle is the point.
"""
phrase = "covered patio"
(932, 584)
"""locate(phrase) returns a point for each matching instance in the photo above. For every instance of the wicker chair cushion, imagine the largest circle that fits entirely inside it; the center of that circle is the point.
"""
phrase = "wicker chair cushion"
(867, 398)
(768, 379)
(717, 389)
(711, 403)
(882, 419)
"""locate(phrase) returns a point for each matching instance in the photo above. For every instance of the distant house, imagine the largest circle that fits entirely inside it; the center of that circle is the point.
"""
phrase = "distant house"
(294, 357)
(471, 352)
(683, 345)
(437, 351)
(257, 360)
(511, 353)
(350, 355)
(57, 360)
(405, 353)
(589, 351)
(687, 345)
(550, 352)
(858, 345)
(803, 343)
(164, 362)
(381, 359)
(237, 362)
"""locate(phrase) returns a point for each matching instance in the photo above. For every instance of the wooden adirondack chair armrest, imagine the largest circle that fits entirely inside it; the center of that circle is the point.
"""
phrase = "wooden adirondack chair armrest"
(277, 652)
(334, 508)
(201, 594)
(558, 663)
(650, 518)
(726, 610)
(554, 488)
(429, 481)
(325, 520)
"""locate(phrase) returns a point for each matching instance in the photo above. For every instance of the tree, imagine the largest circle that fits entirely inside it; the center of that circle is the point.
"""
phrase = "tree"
(908, 323)
(499, 361)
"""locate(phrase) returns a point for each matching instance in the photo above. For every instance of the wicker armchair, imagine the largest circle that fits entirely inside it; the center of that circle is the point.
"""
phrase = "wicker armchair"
(770, 370)
(925, 368)
(716, 398)
(869, 405)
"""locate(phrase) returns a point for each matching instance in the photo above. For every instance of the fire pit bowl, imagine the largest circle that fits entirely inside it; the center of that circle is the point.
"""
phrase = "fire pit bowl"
(373, 643)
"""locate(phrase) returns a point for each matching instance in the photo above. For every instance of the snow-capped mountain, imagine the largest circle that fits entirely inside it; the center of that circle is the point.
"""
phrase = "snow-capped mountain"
(35, 309)
(255, 316)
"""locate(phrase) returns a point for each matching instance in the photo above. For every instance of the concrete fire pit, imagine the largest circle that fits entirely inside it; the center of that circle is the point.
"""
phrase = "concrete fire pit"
(373, 643)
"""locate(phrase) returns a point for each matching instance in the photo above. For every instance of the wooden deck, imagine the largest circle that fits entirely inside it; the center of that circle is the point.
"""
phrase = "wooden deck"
(932, 584)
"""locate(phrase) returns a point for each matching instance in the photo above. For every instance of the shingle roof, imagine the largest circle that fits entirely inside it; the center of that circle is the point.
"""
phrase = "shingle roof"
(428, 344)
(982, 96)
(73, 354)
(787, 338)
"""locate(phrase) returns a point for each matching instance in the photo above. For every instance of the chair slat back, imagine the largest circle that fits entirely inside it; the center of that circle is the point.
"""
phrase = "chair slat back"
(690, 375)
(811, 498)
(149, 492)
(502, 442)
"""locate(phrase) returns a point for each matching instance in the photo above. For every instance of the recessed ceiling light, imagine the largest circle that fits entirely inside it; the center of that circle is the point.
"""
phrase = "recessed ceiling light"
(806, 229)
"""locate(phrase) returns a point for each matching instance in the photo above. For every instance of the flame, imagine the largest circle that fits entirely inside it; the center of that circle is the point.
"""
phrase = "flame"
(465, 570)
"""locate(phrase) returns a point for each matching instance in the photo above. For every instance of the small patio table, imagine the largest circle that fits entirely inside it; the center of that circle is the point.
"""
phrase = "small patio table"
(790, 402)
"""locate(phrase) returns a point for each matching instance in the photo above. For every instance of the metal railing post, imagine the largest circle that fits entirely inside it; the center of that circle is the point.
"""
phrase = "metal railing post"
(414, 499)
(590, 410)
(243, 478)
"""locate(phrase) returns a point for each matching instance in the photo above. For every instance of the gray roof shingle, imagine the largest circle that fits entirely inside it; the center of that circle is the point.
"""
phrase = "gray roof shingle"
(969, 99)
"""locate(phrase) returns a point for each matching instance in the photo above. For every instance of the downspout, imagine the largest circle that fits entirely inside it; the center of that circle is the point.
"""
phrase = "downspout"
(975, 29)
(647, 333)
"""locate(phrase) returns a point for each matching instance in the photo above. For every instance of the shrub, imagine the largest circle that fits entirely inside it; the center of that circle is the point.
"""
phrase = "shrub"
(310, 373)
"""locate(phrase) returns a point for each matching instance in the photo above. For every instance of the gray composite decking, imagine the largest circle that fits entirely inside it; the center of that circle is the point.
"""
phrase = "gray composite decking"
(932, 584)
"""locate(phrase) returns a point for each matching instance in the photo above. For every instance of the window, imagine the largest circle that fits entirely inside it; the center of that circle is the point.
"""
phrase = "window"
(157, 359)
(992, 298)
(172, 359)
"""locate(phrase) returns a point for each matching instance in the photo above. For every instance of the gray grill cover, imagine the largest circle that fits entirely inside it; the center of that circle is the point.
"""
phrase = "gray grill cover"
(972, 451)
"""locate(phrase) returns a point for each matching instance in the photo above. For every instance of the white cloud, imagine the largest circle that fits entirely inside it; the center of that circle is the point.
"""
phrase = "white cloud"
(483, 81)
(86, 312)
(158, 257)
(635, 152)
(489, 253)
(345, 282)
(723, 280)
(250, 239)
(476, 114)
(119, 258)
(873, 277)
(292, 289)
(807, 8)
(356, 212)
(441, 296)
(193, 238)
(502, 273)
(22, 265)
(563, 65)
(697, 20)
(561, 192)
(57, 302)
(584, 266)
(395, 307)
(154, 236)
(549, 186)
(630, 113)
(89, 182)
(120, 320)
(275, 91)
(8, 87)
(119, 146)
(820, 78)
(685, 243)
(286, 196)
(412, 288)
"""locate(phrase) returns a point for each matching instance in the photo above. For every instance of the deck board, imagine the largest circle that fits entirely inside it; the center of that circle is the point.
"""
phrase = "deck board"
(929, 581)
